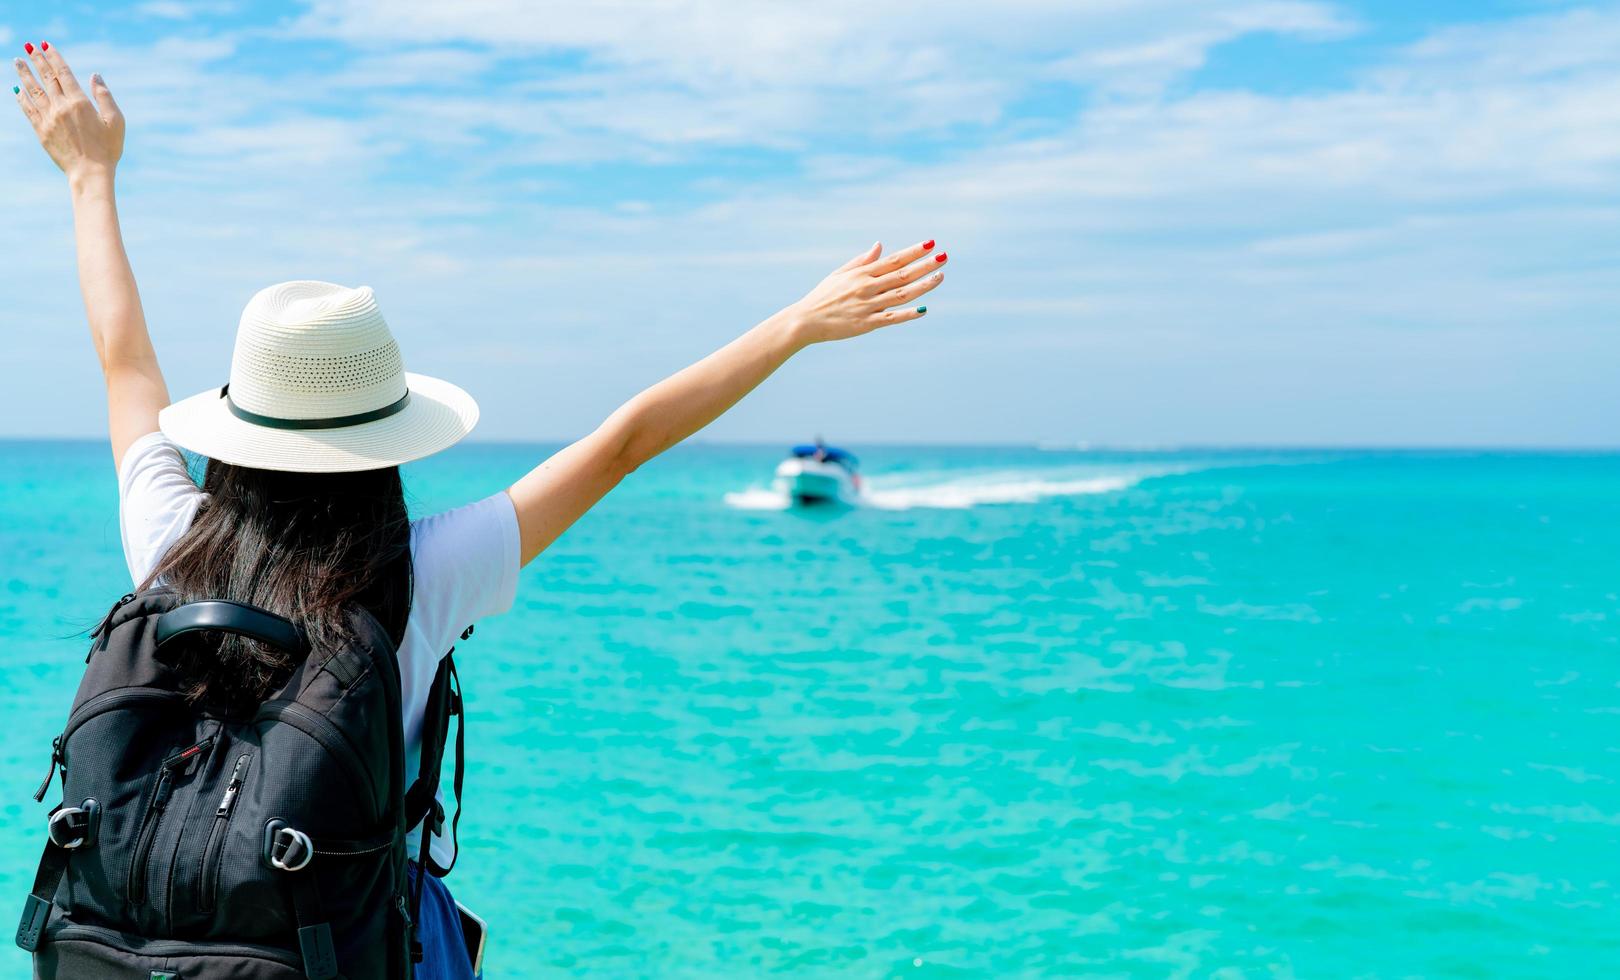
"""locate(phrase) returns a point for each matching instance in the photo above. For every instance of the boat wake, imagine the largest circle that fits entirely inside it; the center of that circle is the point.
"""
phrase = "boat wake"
(960, 493)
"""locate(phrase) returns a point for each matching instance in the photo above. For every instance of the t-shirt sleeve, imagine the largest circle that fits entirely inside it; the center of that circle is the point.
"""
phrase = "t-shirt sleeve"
(465, 567)
(156, 502)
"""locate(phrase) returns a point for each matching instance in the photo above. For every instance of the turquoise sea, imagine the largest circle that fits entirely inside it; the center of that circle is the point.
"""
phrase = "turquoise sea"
(1232, 714)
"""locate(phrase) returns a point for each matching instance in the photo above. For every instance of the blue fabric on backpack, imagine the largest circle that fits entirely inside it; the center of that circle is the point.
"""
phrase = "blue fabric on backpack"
(444, 948)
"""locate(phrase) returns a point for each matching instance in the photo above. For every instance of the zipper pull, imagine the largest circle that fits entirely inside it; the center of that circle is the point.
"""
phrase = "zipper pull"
(127, 598)
(187, 758)
(160, 798)
(101, 630)
(56, 757)
(228, 800)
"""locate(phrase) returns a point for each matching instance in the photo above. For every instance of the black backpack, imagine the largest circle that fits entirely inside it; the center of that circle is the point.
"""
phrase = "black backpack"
(263, 845)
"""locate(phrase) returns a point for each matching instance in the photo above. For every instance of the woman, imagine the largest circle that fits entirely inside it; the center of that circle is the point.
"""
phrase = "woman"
(301, 509)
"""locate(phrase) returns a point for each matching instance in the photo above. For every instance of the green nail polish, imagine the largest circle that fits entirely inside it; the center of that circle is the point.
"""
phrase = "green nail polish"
(922, 309)
(15, 90)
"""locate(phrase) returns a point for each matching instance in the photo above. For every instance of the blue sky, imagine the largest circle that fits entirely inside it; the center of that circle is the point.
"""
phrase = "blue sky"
(1171, 222)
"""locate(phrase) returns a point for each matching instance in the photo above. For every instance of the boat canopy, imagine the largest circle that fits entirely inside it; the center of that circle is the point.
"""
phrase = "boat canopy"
(831, 454)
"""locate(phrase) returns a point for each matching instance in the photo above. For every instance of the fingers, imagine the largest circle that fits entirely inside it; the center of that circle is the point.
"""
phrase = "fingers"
(59, 66)
(890, 317)
(909, 293)
(907, 274)
(863, 258)
(29, 87)
(26, 104)
(46, 70)
(902, 258)
(110, 113)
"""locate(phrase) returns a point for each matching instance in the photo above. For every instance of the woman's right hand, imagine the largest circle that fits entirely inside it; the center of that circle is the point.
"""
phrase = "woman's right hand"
(81, 136)
(861, 295)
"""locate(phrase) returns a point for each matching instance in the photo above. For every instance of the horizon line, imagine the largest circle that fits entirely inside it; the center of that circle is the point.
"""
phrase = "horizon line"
(1040, 445)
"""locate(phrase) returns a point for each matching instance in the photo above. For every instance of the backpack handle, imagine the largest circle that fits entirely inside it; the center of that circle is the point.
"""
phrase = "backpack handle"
(231, 617)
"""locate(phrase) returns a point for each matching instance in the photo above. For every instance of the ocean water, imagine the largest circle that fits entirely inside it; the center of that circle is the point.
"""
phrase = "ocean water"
(1314, 714)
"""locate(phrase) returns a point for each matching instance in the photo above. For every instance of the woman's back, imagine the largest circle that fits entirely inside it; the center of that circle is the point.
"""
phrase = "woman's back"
(436, 575)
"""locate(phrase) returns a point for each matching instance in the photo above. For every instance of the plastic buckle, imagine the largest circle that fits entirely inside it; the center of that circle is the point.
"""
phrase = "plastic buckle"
(320, 956)
(72, 827)
(36, 912)
(286, 849)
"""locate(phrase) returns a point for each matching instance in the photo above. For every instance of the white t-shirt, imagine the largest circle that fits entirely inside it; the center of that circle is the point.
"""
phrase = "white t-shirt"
(465, 568)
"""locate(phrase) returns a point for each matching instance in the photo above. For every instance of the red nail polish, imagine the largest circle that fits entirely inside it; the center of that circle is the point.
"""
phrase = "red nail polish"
(44, 45)
(940, 257)
(29, 47)
(928, 244)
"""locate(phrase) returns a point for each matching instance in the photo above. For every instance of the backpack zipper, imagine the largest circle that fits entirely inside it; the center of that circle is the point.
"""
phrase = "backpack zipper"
(101, 627)
(143, 844)
(127, 944)
(161, 793)
(124, 600)
(207, 884)
(319, 728)
(227, 803)
(103, 702)
(108, 700)
(56, 759)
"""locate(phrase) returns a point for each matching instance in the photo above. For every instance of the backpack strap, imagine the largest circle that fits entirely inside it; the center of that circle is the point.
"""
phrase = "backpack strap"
(421, 800)
(453, 684)
(69, 828)
(314, 931)
(424, 790)
(37, 910)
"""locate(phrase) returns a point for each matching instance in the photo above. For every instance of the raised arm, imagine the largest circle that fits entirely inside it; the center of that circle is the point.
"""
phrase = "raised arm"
(86, 139)
(857, 298)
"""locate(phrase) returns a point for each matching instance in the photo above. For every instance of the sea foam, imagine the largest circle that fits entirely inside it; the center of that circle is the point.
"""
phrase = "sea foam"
(961, 492)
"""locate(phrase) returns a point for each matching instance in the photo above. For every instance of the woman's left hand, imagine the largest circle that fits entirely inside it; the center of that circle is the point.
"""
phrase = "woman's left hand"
(863, 294)
(82, 136)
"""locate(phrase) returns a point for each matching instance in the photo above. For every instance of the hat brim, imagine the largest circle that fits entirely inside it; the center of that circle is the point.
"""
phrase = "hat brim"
(438, 415)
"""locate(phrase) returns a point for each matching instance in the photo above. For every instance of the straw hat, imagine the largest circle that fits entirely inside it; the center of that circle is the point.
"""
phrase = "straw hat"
(318, 386)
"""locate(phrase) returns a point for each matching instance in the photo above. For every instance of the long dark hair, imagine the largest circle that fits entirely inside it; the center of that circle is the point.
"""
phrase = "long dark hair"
(308, 546)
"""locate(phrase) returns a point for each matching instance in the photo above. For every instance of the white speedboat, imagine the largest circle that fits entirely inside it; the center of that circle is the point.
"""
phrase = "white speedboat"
(819, 474)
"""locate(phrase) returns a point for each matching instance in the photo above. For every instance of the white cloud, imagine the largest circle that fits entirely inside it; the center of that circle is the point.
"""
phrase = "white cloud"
(1528, 48)
(688, 71)
(1145, 66)
(1457, 194)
